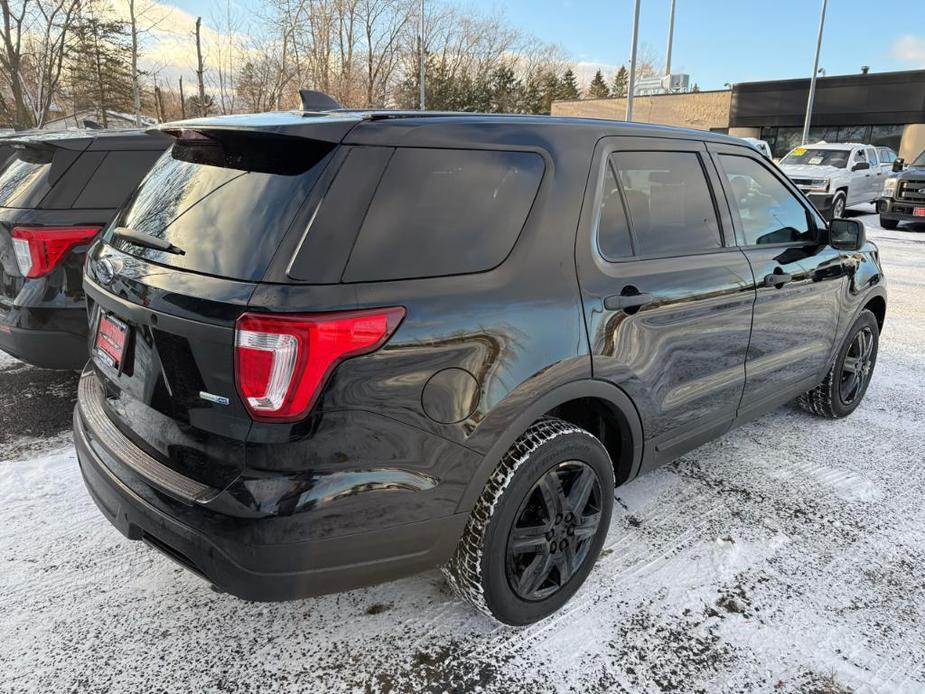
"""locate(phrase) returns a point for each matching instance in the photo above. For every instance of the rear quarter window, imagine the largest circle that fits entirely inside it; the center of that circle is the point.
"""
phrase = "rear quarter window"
(116, 178)
(444, 212)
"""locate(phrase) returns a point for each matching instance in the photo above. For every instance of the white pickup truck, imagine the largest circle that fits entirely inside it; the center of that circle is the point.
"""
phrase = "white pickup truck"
(835, 176)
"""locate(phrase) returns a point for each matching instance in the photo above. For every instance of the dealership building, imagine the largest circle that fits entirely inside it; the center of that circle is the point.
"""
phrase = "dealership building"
(886, 108)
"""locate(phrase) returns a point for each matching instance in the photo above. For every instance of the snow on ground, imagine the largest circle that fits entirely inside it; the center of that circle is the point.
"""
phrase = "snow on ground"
(788, 555)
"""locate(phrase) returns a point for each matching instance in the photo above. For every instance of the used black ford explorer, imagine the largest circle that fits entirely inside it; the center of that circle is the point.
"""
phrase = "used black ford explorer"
(336, 349)
(57, 190)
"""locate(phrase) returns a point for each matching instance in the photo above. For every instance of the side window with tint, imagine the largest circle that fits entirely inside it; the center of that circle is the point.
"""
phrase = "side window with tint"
(669, 202)
(444, 212)
(613, 234)
(768, 212)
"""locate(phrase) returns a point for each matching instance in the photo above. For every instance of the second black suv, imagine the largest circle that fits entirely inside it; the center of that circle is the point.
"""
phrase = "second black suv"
(57, 190)
(335, 349)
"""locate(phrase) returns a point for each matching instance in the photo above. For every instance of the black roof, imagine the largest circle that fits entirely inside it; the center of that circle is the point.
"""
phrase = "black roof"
(92, 140)
(364, 125)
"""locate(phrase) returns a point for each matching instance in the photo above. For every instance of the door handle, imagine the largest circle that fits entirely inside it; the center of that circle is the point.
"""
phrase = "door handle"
(621, 302)
(777, 279)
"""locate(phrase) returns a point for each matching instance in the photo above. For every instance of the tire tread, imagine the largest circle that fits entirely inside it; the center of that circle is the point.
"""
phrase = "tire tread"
(464, 572)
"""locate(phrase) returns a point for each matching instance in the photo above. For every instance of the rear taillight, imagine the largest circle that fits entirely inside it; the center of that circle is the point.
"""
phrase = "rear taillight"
(283, 361)
(39, 249)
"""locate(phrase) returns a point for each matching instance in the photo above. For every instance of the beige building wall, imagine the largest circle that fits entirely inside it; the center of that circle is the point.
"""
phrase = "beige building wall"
(913, 142)
(700, 110)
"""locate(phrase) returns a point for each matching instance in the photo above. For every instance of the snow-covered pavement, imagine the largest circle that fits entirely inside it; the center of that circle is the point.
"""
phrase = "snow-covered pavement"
(787, 556)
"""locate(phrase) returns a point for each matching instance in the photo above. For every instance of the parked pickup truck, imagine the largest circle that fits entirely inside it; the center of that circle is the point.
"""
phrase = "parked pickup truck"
(835, 175)
(903, 196)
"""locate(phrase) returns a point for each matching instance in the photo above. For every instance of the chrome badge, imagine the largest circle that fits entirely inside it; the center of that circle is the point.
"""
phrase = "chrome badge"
(217, 399)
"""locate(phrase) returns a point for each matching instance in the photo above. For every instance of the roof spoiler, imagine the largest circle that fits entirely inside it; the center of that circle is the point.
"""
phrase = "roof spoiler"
(317, 101)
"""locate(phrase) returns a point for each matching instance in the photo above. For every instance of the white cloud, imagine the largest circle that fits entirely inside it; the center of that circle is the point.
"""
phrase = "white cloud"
(909, 49)
(169, 44)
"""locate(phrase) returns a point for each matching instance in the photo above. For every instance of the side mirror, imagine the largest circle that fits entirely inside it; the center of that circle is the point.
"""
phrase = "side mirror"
(860, 166)
(847, 234)
(898, 165)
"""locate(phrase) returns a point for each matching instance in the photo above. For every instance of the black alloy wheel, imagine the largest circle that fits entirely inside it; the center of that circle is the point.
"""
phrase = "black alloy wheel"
(857, 366)
(553, 533)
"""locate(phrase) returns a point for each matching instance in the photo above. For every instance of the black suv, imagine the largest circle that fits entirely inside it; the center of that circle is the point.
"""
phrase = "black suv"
(335, 349)
(57, 190)
(903, 196)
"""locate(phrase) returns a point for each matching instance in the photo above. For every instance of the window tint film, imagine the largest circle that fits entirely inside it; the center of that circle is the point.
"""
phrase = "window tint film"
(444, 212)
(670, 206)
(115, 179)
(24, 179)
(613, 235)
(226, 200)
(769, 213)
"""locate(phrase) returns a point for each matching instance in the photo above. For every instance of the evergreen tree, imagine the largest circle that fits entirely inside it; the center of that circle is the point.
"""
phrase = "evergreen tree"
(550, 87)
(695, 88)
(99, 69)
(620, 83)
(505, 91)
(598, 88)
(568, 87)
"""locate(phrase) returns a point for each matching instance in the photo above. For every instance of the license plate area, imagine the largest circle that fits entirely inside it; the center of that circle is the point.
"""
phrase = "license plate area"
(111, 340)
(918, 211)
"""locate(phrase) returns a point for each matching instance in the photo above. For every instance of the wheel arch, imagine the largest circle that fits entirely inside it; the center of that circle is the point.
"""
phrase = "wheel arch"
(876, 305)
(604, 407)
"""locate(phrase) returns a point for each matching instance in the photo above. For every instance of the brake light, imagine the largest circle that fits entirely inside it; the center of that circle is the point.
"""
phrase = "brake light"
(283, 361)
(39, 249)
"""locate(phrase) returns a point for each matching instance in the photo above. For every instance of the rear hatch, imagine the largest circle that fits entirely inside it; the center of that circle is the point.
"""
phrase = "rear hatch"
(174, 271)
(28, 172)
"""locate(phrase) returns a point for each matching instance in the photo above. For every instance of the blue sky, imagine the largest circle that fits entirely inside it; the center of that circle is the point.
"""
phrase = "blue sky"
(716, 41)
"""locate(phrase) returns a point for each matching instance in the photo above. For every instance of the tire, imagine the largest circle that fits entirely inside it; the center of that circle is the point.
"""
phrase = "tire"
(522, 586)
(839, 203)
(836, 397)
(889, 223)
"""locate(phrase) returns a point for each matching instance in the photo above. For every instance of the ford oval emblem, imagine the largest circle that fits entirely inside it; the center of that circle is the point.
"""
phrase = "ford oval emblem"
(105, 271)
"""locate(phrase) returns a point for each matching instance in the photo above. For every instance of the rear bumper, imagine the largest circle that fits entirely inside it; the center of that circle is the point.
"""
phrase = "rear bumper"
(222, 549)
(46, 349)
(899, 211)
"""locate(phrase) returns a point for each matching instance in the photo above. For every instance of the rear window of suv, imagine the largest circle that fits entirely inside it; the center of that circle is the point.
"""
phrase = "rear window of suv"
(24, 179)
(444, 212)
(225, 198)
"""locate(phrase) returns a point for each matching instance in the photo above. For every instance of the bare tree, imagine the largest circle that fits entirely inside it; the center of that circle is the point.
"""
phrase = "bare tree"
(11, 59)
(200, 70)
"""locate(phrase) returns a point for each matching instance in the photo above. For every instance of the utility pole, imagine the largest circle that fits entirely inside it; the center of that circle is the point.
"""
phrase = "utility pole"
(812, 80)
(632, 80)
(421, 52)
(670, 39)
(182, 100)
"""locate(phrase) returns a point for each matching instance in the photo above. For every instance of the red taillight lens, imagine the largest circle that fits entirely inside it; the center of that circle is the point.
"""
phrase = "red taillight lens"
(282, 361)
(39, 249)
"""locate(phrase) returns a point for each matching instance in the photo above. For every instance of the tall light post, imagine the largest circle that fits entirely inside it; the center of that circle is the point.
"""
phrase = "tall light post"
(421, 52)
(632, 79)
(670, 39)
(812, 80)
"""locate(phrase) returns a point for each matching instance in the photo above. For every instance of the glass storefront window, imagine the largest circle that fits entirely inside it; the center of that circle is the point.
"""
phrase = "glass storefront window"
(782, 140)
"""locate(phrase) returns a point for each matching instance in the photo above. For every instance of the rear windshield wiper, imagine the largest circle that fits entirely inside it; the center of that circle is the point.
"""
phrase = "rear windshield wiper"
(146, 240)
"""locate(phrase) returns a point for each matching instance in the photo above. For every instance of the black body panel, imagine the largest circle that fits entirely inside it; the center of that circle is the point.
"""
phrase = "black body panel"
(378, 478)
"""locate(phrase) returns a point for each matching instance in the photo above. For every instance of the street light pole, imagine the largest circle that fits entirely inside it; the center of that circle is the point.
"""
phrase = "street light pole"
(812, 80)
(632, 79)
(670, 39)
(421, 52)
